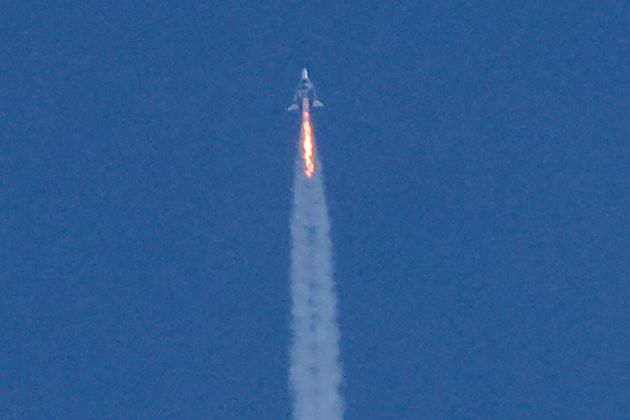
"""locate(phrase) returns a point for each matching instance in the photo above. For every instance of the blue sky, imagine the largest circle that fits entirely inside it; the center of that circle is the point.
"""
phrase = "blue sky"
(476, 163)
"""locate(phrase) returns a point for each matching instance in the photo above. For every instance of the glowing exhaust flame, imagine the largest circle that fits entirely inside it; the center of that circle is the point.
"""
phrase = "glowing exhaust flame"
(308, 145)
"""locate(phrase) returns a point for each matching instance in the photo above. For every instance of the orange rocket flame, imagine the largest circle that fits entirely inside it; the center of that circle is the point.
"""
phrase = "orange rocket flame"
(308, 145)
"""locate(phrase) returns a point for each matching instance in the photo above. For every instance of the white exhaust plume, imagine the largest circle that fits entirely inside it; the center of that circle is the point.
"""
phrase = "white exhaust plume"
(315, 373)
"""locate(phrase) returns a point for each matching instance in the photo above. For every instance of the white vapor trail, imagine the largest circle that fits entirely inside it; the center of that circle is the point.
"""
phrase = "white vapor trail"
(315, 373)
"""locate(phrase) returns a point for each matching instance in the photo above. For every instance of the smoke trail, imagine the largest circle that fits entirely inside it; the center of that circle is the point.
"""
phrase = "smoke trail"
(315, 372)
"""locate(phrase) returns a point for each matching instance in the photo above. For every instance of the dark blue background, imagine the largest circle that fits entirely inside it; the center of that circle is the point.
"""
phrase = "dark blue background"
(477, 168)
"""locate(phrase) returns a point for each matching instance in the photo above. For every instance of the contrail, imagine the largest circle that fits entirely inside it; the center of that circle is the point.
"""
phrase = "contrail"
(315, 372)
